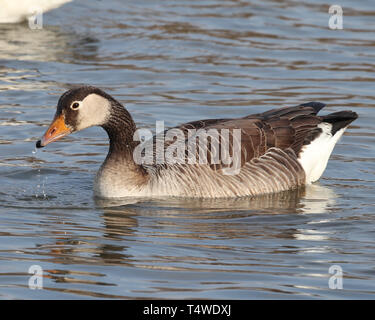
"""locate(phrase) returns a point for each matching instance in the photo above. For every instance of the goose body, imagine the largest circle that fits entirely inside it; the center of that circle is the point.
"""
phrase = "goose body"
(278, 150)
(14, 11)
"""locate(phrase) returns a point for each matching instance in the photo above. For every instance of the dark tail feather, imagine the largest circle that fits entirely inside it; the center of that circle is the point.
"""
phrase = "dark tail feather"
(339, 120)
(309, 108)
(317, 106)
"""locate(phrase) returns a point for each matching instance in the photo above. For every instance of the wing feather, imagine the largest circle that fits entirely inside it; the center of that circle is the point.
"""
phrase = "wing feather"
(287, 129)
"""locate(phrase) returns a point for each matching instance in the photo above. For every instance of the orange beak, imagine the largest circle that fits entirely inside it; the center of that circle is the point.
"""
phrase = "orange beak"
(56, 130)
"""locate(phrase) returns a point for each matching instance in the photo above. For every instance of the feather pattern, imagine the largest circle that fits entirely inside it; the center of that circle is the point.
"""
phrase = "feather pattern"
(270, 146)
(262, 153)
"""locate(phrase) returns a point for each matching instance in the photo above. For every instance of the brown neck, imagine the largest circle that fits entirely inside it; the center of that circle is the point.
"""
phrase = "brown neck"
(120, 129)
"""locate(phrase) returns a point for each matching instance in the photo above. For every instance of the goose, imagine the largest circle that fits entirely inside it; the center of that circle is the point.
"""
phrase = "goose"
(14, 11)
(279, 150)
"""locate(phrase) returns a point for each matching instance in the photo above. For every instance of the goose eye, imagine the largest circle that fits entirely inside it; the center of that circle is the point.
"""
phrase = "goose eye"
(75, 105)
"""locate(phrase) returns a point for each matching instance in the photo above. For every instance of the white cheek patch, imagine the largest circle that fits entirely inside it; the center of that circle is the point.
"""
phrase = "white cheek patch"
(95, 111)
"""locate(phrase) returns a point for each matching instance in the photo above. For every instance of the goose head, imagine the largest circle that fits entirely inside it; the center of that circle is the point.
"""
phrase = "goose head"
(81, 108)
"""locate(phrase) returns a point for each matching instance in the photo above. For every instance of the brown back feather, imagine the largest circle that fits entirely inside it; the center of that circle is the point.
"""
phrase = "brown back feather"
(286, 128)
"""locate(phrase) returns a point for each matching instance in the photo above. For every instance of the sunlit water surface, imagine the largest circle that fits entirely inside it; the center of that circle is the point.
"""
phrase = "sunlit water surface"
(179, 61)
